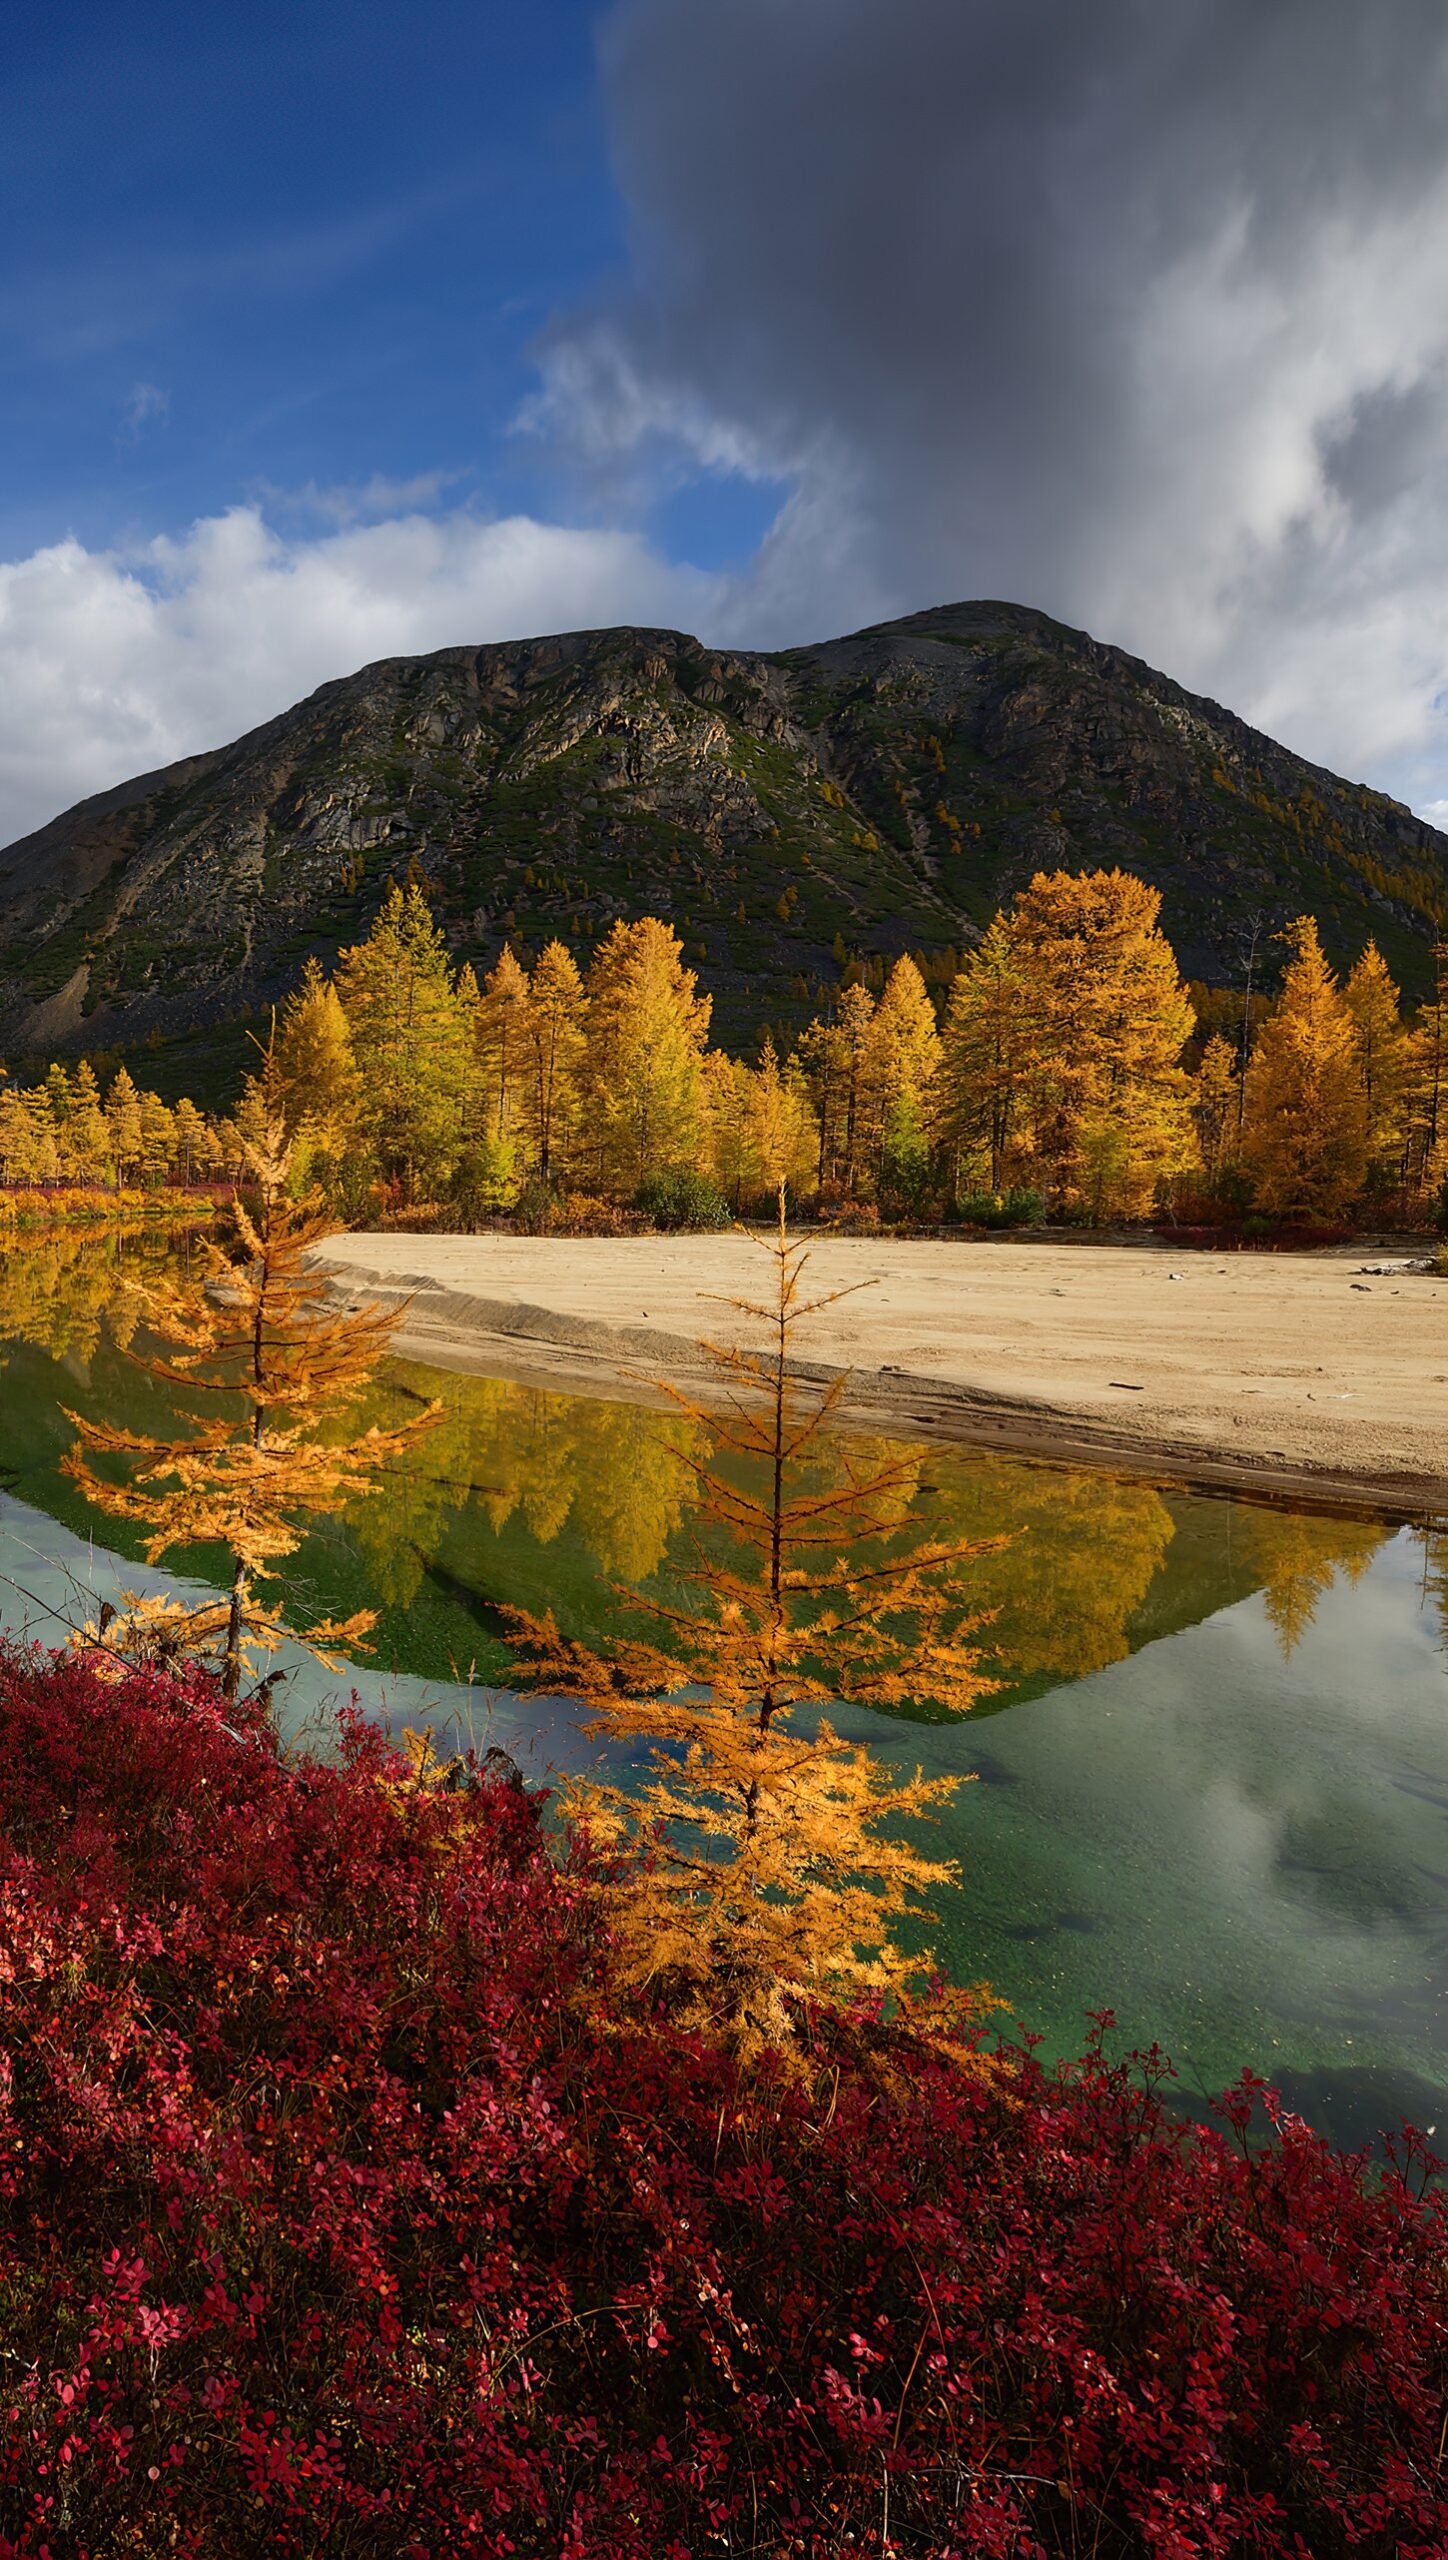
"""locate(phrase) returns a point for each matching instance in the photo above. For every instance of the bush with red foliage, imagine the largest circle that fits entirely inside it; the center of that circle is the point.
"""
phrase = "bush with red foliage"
(342, 2210)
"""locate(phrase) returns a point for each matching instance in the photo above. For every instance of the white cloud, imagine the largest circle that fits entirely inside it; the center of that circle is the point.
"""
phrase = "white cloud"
(1136, 314)
(1139, 315)
(146, 404)
(114, 662)
(358, 501)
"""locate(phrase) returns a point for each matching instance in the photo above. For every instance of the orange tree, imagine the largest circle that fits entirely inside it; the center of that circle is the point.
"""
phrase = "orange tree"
(258, 1331)
(756, 1875)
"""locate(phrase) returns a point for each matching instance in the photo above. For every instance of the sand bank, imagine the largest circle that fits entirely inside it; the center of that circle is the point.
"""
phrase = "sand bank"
(1298, 1374)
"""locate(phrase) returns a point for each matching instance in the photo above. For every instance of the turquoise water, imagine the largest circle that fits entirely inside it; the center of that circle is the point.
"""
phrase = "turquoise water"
(1208, 1793)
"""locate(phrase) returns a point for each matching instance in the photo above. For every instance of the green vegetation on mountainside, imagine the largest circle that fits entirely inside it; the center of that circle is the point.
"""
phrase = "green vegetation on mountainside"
(872, 795)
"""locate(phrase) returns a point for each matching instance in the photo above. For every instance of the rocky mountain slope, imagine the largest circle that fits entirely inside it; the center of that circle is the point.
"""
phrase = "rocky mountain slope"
(874, 794)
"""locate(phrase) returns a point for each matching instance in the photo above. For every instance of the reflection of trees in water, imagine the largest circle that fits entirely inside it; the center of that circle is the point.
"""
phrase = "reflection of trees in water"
(1299, 1556)
(1082, 1549)
(1081, 1555)
(64, 1291)
(1435, 1577)
(1082, 1552)
(611, 1473)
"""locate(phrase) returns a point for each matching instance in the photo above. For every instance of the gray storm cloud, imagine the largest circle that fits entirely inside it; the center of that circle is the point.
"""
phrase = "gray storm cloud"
(1138, 312)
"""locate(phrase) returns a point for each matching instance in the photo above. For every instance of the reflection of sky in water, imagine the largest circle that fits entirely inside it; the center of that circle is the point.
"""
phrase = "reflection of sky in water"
(1243, 1855)
(51, 1580)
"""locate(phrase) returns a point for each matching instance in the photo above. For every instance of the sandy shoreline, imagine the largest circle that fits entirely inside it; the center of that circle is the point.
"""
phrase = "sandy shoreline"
(1293, 1374)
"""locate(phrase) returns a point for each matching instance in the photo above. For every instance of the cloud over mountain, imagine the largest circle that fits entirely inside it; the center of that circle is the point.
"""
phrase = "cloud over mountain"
(1137, 314)
(1132, 313)
(112, 662)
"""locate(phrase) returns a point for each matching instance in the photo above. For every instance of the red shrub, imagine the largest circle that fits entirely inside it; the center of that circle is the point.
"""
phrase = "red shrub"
(341, 2212)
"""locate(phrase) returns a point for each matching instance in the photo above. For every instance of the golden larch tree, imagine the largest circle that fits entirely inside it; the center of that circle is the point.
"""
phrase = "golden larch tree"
(819, 1060)
(985, 1090)
(728, 1087)
(831, 1059)
(1298, 1558)
(87, 1131)
(645, 1033)
(257, 1331)
(502, 1035)
(1385, 1059)
(123, 1117)
(556, 1048)
(311, 1081)
(758, 1878)
(899, 1070)
(1214, 1104)
(411, 1030)
(779, 1130)
(1108, 1020)
(1305, 1132)
(1428, 1078)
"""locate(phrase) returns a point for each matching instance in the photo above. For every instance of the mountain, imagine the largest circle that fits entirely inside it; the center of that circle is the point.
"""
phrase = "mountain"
(875, 794)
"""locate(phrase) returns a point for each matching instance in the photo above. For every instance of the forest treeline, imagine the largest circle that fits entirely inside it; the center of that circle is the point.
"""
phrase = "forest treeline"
(1066, 1070)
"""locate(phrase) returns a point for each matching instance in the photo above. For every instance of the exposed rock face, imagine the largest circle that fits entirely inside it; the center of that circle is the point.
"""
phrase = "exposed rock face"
(890, 788)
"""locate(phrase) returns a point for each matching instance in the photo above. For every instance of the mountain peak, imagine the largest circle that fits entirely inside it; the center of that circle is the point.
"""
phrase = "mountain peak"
(877, 792)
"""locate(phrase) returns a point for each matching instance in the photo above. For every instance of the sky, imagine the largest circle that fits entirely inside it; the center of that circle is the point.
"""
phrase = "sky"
(333, 332)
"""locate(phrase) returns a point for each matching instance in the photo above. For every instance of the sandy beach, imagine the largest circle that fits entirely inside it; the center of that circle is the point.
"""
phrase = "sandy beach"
(1299, 1374)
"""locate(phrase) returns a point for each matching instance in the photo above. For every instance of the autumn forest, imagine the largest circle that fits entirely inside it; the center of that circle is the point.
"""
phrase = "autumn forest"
(1065, 1071)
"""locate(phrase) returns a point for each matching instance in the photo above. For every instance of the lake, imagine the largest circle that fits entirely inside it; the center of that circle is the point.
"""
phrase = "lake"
(1208, 1792)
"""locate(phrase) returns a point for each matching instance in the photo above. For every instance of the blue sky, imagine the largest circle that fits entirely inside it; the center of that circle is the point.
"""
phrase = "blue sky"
(264, 252)
(329, 333)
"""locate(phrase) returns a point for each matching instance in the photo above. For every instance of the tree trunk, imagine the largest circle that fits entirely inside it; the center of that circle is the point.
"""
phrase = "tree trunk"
(231, 1675)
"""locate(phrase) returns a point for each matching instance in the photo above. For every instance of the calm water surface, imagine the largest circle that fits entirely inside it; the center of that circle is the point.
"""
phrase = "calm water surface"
(1210, 1788)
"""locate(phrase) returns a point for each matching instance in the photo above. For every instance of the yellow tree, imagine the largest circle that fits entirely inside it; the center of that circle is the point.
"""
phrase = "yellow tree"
(1305, 1131)
(821, 1061)
(779, 1131)
(764, 1880)
(311, 1074)
(190, 1139)
(1214, 1103)
(89, 1154)
(59, 1096)
(1299, 1557)
(556, 1048)
(257, 1332)
(900, 1065)
(988, 1061)
(727, 1095)
(853, 1016)
(411, 1034)
(1385, 1059)
(123, 1115)
(1108, 1020)
(502, 1037)
(1428, 1076)
(158, 1138)
(643, 1075)
(18, 1156)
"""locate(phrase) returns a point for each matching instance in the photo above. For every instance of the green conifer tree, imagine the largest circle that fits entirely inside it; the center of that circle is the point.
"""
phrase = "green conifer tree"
(411, 1036)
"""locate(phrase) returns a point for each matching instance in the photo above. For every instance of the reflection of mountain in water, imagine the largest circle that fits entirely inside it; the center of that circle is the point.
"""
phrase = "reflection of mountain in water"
(537, 1499)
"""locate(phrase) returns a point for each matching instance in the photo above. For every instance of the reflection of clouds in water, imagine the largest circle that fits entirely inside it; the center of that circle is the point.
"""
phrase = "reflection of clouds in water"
(1241, 1834)
(1260, 1842)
